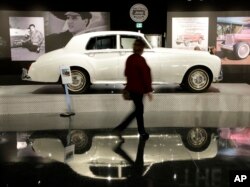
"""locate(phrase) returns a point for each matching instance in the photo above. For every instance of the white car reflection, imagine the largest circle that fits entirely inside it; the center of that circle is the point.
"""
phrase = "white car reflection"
(103, 163)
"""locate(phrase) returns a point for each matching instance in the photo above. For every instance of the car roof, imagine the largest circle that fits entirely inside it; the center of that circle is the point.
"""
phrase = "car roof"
(74, 44)
(97, 33)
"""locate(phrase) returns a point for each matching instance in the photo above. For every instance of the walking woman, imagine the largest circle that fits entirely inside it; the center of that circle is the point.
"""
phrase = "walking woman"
(139, 82)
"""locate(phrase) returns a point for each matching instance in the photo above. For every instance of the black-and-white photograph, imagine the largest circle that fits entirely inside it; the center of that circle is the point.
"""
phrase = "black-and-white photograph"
(60, 27)
(66, 72)
(26, 38)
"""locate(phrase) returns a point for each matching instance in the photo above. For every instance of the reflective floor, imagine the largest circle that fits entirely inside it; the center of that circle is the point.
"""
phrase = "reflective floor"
(79, 158)
(196, 140)
(103, 106)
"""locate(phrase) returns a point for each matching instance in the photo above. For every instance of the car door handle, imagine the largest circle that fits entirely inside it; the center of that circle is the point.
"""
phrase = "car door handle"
(91, 54)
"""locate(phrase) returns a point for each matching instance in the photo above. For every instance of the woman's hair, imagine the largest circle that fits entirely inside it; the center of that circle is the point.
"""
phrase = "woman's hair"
(140, 42)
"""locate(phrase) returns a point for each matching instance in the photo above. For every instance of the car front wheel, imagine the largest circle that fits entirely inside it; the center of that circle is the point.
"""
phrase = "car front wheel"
(196, 139)
(197, 80)
(80, 82)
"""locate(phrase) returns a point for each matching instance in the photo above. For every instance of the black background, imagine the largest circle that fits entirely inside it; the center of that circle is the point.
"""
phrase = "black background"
(120, 20)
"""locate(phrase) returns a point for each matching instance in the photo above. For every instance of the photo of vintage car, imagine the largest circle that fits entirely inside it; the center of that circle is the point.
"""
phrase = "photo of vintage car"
(99, 58)
(237, 43)
(186, 39)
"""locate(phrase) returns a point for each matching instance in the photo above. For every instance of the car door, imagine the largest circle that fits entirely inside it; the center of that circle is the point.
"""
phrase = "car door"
(103, 54)
(125, 48)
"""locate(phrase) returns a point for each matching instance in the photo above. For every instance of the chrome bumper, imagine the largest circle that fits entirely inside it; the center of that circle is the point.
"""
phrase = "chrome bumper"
(25, 75)
(227, 47)
(220, 77)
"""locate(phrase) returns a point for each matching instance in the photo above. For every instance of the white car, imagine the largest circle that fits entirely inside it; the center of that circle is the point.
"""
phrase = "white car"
(99, 58)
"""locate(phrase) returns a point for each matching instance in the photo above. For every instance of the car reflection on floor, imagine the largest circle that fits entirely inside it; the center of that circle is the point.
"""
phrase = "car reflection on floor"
(112, 163)
(109, 158)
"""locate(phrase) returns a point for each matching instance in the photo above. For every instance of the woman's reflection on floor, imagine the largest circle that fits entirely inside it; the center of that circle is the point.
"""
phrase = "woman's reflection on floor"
(137, 169)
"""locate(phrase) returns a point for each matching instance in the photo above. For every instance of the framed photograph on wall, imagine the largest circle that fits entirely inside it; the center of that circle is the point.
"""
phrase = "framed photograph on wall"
(26, 38)
(190, 32)
(62, 26)
(233, 40)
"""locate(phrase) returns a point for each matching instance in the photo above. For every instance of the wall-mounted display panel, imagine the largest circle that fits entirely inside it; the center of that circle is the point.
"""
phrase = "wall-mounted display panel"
(190, 33)
(228, 38)
(233, 40)
(24, 36)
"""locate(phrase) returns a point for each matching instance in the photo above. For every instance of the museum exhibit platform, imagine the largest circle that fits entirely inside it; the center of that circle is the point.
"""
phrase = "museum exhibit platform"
(32, 107)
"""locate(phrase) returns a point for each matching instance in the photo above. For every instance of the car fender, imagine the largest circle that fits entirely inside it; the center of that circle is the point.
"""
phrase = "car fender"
(48, 69)
(81, 61)
(212, 62)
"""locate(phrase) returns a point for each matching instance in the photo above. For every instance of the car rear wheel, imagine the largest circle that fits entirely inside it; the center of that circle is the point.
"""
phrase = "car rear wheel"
(80, 82)
(197, 80)
(196, 139)
(242, 50)
(81, 139)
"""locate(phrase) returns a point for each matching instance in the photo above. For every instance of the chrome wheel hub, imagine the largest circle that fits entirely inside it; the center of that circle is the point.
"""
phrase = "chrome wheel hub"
(79, 139)
(198, 79)
(78, 81)
(197, 137)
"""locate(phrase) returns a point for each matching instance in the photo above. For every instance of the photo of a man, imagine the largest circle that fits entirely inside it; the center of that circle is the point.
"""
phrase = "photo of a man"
(33, 40)
(26, 38)
(69, 24)
(78, 22)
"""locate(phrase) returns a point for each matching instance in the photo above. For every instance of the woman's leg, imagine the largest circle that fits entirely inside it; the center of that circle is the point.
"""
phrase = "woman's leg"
(139, 110)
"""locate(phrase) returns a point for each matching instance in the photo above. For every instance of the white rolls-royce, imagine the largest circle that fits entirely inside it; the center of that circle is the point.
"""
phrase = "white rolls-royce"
(99, 58)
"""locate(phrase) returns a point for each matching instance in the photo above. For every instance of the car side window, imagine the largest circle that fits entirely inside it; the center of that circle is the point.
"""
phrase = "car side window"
(102, 42)
(126, 42)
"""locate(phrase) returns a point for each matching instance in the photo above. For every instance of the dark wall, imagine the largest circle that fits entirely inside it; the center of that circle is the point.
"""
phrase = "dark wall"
(120, 20)
(155, 23)
(119, 15)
